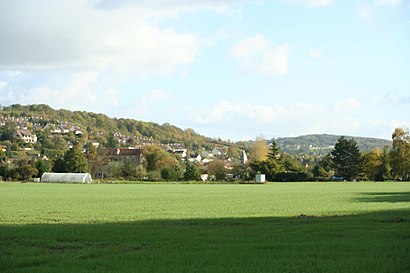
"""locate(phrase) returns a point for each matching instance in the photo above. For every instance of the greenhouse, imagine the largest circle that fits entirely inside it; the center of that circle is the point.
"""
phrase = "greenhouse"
(66, 177)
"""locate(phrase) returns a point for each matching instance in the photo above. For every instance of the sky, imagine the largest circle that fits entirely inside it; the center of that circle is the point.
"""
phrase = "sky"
(233, 69)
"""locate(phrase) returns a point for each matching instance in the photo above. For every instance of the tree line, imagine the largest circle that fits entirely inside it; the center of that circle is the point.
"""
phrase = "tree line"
(345, 162)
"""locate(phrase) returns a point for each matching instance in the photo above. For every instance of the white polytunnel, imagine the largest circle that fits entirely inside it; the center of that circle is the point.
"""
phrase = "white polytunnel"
(66, 177)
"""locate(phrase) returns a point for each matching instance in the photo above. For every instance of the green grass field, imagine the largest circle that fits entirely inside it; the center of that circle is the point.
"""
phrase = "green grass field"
(280, 227)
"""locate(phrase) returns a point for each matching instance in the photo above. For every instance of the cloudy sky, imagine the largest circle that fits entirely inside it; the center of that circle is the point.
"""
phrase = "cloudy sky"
(226, 68)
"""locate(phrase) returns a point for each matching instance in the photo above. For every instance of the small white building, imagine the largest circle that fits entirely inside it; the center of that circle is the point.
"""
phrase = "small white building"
(84, 178)
(260, 178)
(204, 177)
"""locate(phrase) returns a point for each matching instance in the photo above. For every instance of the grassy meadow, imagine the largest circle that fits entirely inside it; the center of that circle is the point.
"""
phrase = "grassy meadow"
(278, 227)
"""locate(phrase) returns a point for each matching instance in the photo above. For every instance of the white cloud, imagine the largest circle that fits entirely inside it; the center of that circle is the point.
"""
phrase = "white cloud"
(167, 7)
(255, 54)
(379, 127)
(315, 53)
(388, 2)
(314, 3)
(45, 33)
(226, 111)
(282, 120)
(153, 96)
(150, 104)
(392, 99)
(347, 104)
(81, 91)
(365, 11)
(3, 84)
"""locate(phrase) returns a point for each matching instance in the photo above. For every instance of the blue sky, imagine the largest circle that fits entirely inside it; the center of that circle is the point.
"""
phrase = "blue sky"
(229, 69)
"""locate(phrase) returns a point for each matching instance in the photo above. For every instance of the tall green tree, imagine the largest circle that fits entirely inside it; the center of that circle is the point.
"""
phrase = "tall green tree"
(173, 172)
(42, 166)
(274, 152)
(347, 159)
(192, 172)
(377, 165)
(129, 169)
(156, 158)
(73, 161)
(400, 154)
(216, 168)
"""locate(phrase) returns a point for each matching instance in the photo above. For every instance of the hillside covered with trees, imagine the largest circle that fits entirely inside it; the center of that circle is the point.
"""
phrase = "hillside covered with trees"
(100, 126)
(324, 143)
(36, 138)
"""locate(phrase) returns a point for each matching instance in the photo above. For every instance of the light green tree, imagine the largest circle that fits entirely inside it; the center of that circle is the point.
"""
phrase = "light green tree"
(400, 154)
(259, 150)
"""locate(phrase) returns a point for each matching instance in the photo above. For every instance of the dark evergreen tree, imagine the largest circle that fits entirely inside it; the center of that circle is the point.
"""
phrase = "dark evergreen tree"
(274, 152)
(58, 166)
(192, 172)
(347, 160)
(42, 167)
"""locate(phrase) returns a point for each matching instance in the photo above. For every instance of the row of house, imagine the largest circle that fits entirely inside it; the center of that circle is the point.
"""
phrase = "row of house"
(23, 123)
(63, 128)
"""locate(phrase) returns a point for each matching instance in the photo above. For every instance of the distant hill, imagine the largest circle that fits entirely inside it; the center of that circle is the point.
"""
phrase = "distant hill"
(322, 144)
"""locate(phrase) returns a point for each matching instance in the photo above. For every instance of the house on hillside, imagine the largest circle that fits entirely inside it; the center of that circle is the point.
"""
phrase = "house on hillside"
(217, 152)
(64, 129)
(195, 158)
(25, 135)
(175, 149)
(37, 127)
(121, 154)
(76, 130)
(52, 128)
(22, 125)
(181, 153)
(94, 143)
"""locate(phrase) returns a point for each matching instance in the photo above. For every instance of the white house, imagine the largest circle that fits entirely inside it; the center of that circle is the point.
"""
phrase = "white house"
(181, 152)
(52, 128)
(64, 129)
(25, 135)
(217, 152)
(195, 158)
